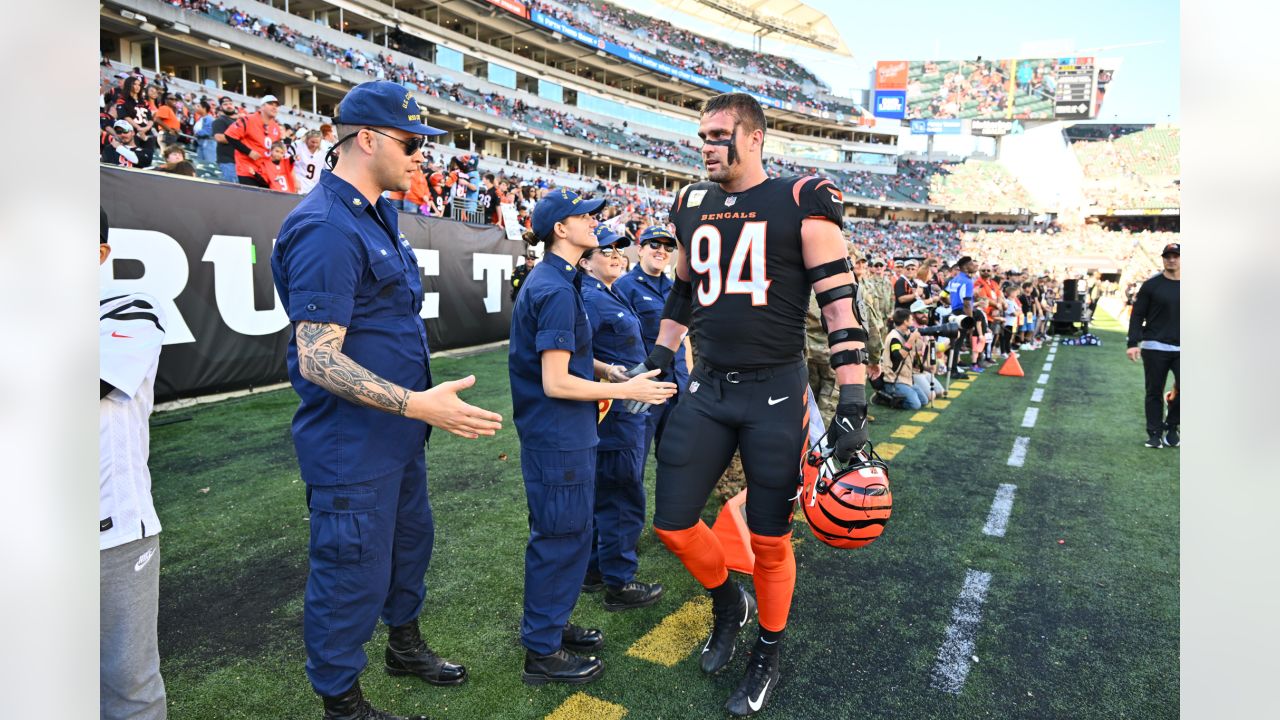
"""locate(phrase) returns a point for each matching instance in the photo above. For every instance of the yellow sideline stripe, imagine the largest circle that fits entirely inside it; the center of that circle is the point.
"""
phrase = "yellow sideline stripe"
(961, 384)
(924, 416)
(887, 450)
(954, 392)
(907, 431)
(941, 404)
(676, 636)
(580, 706)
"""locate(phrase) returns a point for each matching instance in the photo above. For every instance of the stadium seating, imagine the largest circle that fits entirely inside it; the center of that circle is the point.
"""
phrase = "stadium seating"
(1137, 170)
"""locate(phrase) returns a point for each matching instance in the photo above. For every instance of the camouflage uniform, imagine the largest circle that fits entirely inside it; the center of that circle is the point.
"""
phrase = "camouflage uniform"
(879, 306)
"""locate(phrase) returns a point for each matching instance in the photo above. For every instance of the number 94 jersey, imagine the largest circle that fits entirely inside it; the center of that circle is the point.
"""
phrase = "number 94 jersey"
(750, 293)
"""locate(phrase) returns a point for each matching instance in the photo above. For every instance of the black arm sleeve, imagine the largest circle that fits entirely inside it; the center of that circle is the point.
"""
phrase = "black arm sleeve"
(679, 305)
(1139, 314)
(104, 388)
(239, 147)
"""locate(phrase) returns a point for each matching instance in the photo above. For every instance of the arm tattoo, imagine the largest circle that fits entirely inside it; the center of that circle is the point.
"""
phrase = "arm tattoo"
(321, 361)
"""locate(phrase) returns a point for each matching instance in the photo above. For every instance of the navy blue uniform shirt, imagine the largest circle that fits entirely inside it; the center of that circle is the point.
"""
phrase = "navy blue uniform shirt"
(549, 315)
(647, 295)
(616, 340)
(340, 260)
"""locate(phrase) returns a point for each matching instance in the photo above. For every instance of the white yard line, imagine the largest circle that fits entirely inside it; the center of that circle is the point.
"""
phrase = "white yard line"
(998, 518)
(1044, 378)
(956, 653)
(1029, 417)
(1037, 395)
(1019, 454)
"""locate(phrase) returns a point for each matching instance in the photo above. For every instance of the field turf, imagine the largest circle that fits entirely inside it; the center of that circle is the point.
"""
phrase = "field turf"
(1080, 619)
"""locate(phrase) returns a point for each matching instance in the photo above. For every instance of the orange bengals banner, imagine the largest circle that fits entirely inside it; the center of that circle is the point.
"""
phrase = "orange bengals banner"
(891, 75)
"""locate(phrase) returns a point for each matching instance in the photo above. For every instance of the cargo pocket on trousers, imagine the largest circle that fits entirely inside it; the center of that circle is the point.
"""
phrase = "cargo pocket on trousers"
(562, 502)
(342, 525)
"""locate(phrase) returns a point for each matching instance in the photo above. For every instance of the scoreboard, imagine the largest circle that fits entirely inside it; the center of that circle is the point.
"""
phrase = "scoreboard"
(1073, 99)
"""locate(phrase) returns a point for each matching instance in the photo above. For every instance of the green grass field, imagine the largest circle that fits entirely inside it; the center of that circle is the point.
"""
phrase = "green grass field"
(1080, 621)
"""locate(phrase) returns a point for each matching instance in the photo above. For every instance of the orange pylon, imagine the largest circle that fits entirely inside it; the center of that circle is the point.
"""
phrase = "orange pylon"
(1011, 367)
(731, 530)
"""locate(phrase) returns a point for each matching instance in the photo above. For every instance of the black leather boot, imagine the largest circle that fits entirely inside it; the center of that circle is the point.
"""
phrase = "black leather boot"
(351, 705)
(407, 654)
(560, 666)
(632, 595)
(581, 640)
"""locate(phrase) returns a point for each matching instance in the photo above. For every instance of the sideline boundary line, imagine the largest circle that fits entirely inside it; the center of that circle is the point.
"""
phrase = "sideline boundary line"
(956, 653)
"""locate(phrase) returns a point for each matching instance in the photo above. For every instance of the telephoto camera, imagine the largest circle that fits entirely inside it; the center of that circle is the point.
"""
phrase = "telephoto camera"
(950, 329)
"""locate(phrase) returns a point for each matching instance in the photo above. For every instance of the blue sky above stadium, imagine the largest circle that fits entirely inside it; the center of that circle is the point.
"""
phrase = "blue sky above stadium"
(1144, 33)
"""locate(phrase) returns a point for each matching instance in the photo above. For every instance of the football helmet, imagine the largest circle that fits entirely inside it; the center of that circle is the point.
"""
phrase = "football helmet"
(846, 507)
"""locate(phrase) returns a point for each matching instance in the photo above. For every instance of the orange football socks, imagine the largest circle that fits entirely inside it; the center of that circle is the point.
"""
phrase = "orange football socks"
(775, 579)
(700, 551)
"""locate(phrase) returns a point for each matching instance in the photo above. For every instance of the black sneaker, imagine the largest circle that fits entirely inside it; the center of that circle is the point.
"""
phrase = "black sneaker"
(1171, 438)
(752, 694)
(593, 583)
(581, 640)
(959, 374)
(1154, 441)
(560, 666)
(725, 624)
(632, 595)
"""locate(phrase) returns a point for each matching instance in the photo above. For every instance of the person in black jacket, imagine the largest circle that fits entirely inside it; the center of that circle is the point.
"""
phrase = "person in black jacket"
(1153, 334)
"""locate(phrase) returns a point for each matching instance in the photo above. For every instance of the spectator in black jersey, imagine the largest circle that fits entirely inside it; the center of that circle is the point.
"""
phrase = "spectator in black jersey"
(122, 148)
(1154, 335)
(905, 291)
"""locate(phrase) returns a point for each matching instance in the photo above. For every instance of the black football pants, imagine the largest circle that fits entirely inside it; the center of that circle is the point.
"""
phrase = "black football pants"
(765, 415)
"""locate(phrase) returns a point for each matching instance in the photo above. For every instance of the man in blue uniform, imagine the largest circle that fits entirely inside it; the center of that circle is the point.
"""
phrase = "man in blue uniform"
(646, 287)
(619, 505)
(358, 360)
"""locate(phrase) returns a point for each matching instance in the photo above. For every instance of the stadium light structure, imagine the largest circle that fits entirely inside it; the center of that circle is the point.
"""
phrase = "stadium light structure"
(179, 27)
(301, 70)
(147, 27)
(334, 78)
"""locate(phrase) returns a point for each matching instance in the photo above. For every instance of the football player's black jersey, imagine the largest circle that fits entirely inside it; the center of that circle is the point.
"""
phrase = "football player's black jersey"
(750, 293)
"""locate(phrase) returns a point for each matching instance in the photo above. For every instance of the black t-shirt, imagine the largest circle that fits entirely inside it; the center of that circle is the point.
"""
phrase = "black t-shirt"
(633, 230)
(750, 293)
(902, 286)
(1156, 312)
(226, 153)
(112, 157)
(493, 201)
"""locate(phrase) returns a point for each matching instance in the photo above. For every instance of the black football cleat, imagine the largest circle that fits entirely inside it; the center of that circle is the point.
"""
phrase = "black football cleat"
(725, 624)
(632, 595)
(581, 640)
(752, 694)
(560, 666)
(407, 654)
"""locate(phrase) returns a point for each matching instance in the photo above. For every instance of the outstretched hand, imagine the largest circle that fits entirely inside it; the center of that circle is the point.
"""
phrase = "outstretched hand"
(441, 407)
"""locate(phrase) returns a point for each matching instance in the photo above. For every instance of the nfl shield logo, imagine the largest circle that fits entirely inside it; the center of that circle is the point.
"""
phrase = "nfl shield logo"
(729, 201)
(693, 387)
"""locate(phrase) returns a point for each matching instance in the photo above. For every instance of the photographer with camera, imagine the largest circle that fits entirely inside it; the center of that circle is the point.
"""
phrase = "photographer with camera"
(901, 347)
(924, 376)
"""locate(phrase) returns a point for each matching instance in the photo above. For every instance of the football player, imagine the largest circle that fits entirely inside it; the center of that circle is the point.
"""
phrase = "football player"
(752, 249)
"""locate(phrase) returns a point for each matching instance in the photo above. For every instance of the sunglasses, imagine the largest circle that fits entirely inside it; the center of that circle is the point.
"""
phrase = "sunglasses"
(605, 251)
(658, 245)
(411, 146)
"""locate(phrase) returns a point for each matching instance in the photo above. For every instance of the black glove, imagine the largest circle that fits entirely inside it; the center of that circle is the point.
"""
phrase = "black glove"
(660, 357)
(848, 432)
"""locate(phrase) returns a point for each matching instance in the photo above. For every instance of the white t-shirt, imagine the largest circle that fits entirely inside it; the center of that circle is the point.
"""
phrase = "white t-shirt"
(307, 166)
(130, 333)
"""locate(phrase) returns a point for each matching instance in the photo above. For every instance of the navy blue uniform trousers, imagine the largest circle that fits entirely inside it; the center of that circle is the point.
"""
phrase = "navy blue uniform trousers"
(370, 547)
(560, 486)
(619, 514)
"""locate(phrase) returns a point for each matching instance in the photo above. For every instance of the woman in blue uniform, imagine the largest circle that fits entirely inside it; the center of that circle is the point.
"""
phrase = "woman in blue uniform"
(619, 515)
(554, 396)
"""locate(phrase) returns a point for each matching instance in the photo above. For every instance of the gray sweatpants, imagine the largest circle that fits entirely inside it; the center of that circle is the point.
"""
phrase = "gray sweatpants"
(129, 596)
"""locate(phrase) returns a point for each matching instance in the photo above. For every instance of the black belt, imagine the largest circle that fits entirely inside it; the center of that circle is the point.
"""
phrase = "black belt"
(738, 376)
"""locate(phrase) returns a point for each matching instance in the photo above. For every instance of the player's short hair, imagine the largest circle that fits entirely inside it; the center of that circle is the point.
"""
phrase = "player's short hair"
(744, 107)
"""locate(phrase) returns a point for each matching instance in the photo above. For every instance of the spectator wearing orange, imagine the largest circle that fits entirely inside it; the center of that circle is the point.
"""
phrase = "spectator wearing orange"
(283, 179)
(418, 195)
(166, 116)
(252, 137)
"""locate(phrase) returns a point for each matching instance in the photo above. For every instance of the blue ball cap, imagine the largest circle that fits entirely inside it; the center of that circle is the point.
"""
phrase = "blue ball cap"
(382, 103)
(657, 232)
(606, 237)
(558, 205)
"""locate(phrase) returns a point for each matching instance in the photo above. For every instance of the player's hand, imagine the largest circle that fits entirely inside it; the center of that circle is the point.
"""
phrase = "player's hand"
(848, 433)
(254, 155)
(441, 407)
(659, 359)
(646, 391)
(1134, 353)
(618, 374)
